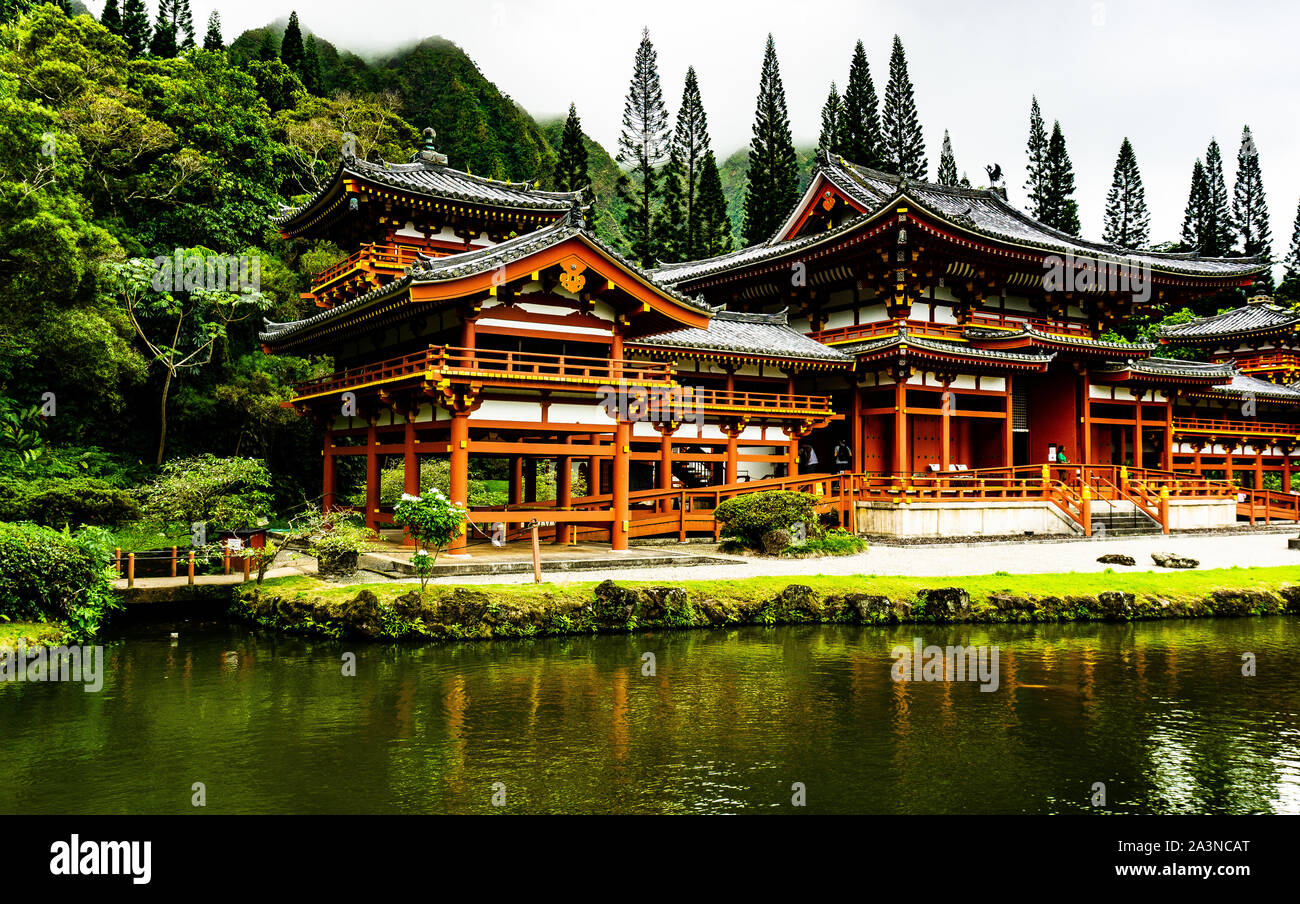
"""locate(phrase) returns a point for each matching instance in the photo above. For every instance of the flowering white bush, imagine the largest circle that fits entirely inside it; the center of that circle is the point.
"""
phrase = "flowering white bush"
(432, 521)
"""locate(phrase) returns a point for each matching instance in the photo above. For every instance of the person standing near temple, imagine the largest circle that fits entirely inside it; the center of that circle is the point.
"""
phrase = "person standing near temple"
(843, 457)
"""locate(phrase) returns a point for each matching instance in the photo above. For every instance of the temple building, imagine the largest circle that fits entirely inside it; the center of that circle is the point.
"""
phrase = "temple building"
(952, 351)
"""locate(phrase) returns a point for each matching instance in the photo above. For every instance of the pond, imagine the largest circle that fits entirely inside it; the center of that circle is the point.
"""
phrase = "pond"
(730, 721)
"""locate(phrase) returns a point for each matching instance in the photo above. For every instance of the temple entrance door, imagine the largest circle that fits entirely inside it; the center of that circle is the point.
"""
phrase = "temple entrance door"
(1020, 448)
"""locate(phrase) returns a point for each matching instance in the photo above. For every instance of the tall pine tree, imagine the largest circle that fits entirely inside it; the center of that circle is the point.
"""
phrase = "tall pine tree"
(641, 148)
(902, 145)
(1035, 184)
(111, 17)
(1128, 222)
(860, 126)
(715, 223)
(1060, 210)
(571, 164)
(135, 27)
(947, 163)
(1219, 231)
(1290, 287)
(183, 19)
(212, 40)
(691, 141)
(163, 43)
(1249, 206)
(773, 181)
(670, 218)
(831, 139)
(1198, 229)
(292, 53)
(312, 78)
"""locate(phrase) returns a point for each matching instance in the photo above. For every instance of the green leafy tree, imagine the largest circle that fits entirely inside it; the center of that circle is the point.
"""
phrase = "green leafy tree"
(1249, 206)
(12, 10)
(1036, 183)
(1128, 222)
(179, 330)
(212, 39)
(1060, 210)
(860, 129)
(773, 180)
(715, 223)
(947, 163)
(902, 144)
(831, 139)
(219, 493)
(641, 148)
(571, 164)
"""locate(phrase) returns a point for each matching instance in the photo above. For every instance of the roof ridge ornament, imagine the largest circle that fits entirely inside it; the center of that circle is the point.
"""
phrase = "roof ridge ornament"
(428, 152)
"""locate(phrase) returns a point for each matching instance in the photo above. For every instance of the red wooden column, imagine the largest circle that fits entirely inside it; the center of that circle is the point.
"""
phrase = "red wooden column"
(1259, 469)
(372, 474)
(665, 466)
(1085, 418)
(1008, 428)
(564, 492)
(327, 478)
(900, 428)
(622, 510)
(459, 448)
(410, 458)
(516, 482)
(1227, 463)
(792, 455)
(945, 429)
(733, 455)
(1286, 470)
(1169, 433)
(1196, 458)
(855, 408)
(1137, 434)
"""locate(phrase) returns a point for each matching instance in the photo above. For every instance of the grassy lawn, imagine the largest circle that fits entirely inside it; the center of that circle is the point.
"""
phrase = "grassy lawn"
(31, 633)
(1166, 585)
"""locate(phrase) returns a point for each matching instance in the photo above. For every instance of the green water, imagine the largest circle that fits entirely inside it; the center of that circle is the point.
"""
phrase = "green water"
(1159, 712)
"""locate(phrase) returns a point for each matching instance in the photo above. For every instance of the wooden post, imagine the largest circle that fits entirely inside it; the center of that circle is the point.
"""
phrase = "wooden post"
(619, 529)
(1169, 434)
(117, 560)
(516, 482)
(1009, 433)
(665, 468)
(1228, 473)
(247, 563)
(945, 429)
(563, 493)
(173, 561)
(372, 473)
(733, 457)
(900, 428)
(792, 456)
(1085, 418)
(460, 476)
(327, 478)
(1164, 510)
(191, 568)
(225, 556)
(1137, 434)
(1085, 509)
(537, 555)
(855, 408)
(1286, 471)
(130, 569)
(1259, 469)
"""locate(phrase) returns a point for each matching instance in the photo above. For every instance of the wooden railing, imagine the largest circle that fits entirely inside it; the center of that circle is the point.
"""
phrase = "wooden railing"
(762, 402)
(439, 362)
(880, 328)
(1235, 427)
(1270, 505)
(1271, 361)
(989, 320)
(370, 258)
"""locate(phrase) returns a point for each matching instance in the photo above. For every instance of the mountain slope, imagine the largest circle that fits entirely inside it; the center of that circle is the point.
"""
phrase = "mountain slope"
(604, 172)
(735, 169)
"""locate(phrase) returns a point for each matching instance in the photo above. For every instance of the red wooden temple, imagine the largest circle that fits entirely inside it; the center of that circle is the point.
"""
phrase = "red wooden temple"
(952, 343)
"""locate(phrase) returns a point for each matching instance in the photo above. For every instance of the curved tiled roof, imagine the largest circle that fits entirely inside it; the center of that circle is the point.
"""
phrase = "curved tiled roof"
(980, 212)
(903, 339)
(470, 263)
(768, 335)
(976, 334)
(1243, 386)
(1169, 367)
(1245, 320)
(430, 179)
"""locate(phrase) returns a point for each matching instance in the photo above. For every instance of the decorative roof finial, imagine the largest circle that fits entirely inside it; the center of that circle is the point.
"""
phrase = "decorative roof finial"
(428, 153)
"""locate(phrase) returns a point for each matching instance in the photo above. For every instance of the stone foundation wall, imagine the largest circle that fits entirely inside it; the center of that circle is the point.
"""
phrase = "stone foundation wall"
(991, 518)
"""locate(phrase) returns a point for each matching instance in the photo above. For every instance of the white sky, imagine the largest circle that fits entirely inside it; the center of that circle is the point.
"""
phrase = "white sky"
(1168, 74)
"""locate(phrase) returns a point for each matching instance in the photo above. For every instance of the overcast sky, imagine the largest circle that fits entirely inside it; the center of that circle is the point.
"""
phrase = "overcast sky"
(1169, 75)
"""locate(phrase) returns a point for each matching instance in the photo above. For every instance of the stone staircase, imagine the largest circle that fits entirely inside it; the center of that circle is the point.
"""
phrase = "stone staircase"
(1122, 519)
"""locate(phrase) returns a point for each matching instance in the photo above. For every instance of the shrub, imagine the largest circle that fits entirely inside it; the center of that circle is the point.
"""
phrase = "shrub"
(750, 516)
(431, 521)
(222, 493)
(47, 576)
(836, 542)
(72, 503)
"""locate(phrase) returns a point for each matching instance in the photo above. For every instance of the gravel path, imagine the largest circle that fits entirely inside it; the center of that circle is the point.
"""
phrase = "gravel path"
(1213, 551)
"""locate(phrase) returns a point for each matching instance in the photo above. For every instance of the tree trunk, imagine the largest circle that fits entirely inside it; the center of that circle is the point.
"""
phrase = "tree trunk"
(162, 417)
